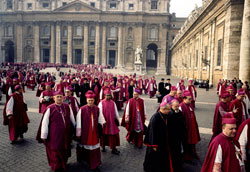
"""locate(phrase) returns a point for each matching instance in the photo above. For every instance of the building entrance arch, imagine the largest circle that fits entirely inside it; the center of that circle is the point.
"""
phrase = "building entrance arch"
(151, 56)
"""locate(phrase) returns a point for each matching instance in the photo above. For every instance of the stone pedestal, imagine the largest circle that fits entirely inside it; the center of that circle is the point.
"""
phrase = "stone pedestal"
(138, 68)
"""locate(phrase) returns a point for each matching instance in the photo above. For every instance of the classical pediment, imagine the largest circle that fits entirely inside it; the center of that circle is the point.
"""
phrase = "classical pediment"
(77, 6)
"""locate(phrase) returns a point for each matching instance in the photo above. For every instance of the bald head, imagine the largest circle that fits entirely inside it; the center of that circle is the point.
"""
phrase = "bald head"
(244, 87)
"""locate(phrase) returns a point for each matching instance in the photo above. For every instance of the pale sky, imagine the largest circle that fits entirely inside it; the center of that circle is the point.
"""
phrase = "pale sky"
(183, 8)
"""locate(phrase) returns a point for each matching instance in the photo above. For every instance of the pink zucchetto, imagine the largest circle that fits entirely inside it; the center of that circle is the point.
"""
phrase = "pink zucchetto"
(90, 94)
(56, 93)
(17, 87)
(186, 93)
(241, 92)
(137, 90)
(228, 118)
(173, 88)
(107, 92)
(224, 94)
(163, 104)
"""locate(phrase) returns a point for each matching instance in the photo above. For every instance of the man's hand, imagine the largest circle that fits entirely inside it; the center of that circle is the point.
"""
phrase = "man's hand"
(155, 149)
(43, 100)
(10, 117)
(126, 120)
(235, 110)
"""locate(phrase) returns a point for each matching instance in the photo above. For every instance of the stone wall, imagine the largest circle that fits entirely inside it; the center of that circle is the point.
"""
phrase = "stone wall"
(208, 45)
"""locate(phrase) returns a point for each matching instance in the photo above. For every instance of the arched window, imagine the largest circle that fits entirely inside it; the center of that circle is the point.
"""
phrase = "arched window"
(46, 31)
(65, 31)
(113, 32)
(92, 32)
(79, 31)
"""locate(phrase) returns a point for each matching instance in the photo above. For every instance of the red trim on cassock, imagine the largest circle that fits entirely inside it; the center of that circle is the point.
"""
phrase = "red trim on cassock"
(155, 146)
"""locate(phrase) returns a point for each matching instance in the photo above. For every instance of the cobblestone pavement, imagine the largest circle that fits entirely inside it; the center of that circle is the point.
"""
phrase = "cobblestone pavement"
(29, 156)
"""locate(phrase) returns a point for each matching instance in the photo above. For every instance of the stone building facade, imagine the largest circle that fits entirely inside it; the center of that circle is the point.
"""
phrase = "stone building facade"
(88, 32)
(214, 42)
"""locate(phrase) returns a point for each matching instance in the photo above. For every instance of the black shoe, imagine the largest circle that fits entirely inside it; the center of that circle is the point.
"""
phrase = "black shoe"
(13, 142)
(115, 151)
(103, 149)
(97, 170)
(21, 136)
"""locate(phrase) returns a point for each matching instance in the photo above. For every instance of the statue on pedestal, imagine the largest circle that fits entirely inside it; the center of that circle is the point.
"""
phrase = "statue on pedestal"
(138, 55)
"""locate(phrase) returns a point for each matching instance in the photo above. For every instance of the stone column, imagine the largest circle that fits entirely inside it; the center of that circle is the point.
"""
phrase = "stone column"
(97, 43)
(2, 57)
(201, 54)
(58, 43)
(212, 54)
(208, 67)
(85, 44)
(244, 73)
(104, 46)
(69, 44)
(161, 61)
(120, 36)
(36, 43)
(52, 43)
(19, 42)
(193, 57)
(231, 47)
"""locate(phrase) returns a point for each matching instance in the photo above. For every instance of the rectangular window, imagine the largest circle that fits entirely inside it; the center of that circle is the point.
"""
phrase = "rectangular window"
(64, 42)
(153, 33)
(92, 43)
(29, 5)
(64, 3)
(79, 31)
(92, 4)
(9, 31)
(154, 5)
(45, 5)
(131, 6)
(219, 52)
(112, 44)
(113, 32)
(92, 32)
(45, 42)
(112, 5)
(9, 4)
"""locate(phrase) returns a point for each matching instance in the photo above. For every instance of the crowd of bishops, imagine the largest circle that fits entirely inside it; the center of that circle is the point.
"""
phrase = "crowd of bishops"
(93, 122)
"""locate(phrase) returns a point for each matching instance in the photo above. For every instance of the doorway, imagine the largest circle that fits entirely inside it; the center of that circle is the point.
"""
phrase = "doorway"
(112, 56)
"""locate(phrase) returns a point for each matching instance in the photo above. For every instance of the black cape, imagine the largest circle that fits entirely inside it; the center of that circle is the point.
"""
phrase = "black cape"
(177, 136)
(84, 89)
(156, 136)
(162, 91)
